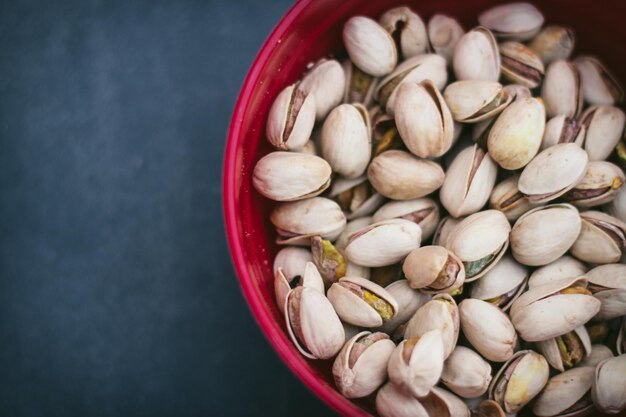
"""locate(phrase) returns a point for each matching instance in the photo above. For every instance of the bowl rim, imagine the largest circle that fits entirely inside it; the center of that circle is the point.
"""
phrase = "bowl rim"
(264, 319)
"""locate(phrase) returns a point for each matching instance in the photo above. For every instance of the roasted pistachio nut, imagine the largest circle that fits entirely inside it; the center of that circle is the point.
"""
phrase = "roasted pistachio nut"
(562, 89)
(553, 42)
(568, 350)
(516, 136)
(608, 284)
(468, 182)
(564, 267)
(361, 302)
(520, 64)
(600, 185)
(553, 172)
(480, 240)
(408, 300)
(291, 118)
(346, 140)
(326, 81)
(369, 46)
(502, 284)
(402, 176)
(312, 323)
(544, 234)
(296, 222)
(416, 364)
(328, 260)
(444, 230)
(605, 126)
(598, 354)
(290, 176)
(563, 129)
(351, 227)
(466, 373)
(476, 56)
(359, 86)
(519, 380)
(407, 28)
(422, 211)
(488, 329)
(507, 198)
(292, 260)
(361, 366)
(383, 243)
(282, 285)
(444, 32)
(472, 101)
(599, 85)
(439, 313)
(602, 238)
(566, 394)
(423, 119)
(553, 309)
(609, 385)
(516, 21)
(433, 269)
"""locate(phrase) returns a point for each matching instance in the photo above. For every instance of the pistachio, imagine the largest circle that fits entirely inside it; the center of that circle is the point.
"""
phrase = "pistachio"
(598, 354)
(439, 313)
(356, 196)
(562, 89)
(422, 211)
(476, 56)
(444, 32)
(602, 238)
(502, 284)
(553, 42)
(361, 302)
(609, 385)
(488, 408)
(600, 185)
(433, 269)
(466, 373)
(472, 101)
(351, 227)
(604, 125)
(408, 300)
(567, 350)
(359, 86)
(282, 284)
(329, 261)
(507, 198)
(290, 176)
(444, 230)
(361, 366)
(520, 64)
(369, 46)
(326, 81)
(440, 402)
(563, 129)
(391, 401)
(291, 118)
(608, 284)
(599, 85)
(292, 260)
(566, 394)
(563, 267)
(515, 21)
(385, 136)
(407, 29)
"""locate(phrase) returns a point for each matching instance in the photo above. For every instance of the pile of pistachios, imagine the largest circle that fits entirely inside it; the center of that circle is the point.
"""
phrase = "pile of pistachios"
(454, 217)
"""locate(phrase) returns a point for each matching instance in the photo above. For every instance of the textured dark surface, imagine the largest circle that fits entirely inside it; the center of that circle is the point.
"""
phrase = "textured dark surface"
(117, 295)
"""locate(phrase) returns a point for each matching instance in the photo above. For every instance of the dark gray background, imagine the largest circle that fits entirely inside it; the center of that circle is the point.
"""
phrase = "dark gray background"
(117, 295)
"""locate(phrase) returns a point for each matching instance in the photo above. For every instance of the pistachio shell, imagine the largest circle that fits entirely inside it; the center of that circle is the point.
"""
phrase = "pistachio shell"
(359, 86)
(519, 21)
(502, 284)
(617, 207)
(393, 402)
(609, 385)
(551, 348)
(356, 196)
(553, 42)
(602, 238)
(422, 211)
(562, 129)
(409, 300)
(563, 391)
(597, 355)
(599, 85)
(520, 64)
(406, 26)
(600, 185)
(476, 56)
(291, 118)
(434, 269)
(507, 198)
(440, 402)
(488, 408)
(444, 230)
(608, 283)
(292, 260)
(466, 373)
(282, 285)
(326, 81)
(369, 46)
(444, 32)
(351, 227)
(439, 313)
(605, 125)
(473, 101)
(564, 267)
(562, 89)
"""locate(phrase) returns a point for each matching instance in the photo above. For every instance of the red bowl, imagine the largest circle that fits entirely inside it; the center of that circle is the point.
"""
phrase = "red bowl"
(309, 31)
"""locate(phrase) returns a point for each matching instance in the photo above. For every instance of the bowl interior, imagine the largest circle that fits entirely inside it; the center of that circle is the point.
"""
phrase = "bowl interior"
(309, 31)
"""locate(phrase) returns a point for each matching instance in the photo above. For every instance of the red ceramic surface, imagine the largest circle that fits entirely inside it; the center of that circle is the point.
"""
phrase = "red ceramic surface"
(309, 31)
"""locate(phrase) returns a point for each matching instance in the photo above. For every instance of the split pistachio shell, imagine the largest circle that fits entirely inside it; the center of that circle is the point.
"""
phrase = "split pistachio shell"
(423, 119)
(369, 46)
(597, 355)
(600, 185)
(361, 302)
(599, 85)
(406, 26)
(439, 313)
(502, 284)
(361, 366)
(416, 364)
(351, 227)
(468, 182)
(356, 196)
(402, 176)
(327, 258)
(562, 89)
(553, 172)
(292, 260)
(291, 118)
(383, 243)
(444, 32)
(296, 222)
(488, 408)
(480, 240)
(346, 141)
(605, 125)
(565, 394)
(544, 234)
(290, 176)
(553, 42)
(488, 329)
(568, 350)
(563, 129)
(516, 136)
(444, 230)
(608, 284)
(516, 21)
(422, 211)
(564, 267)
(466, 373)
(313, 324)
(433, 269)
(602, 238)
(558, 307)
(520, 64)
(476, 56)
(472, 101)
(311, 278)
(326, 81)
(617, 207)
(519, 380)
(609, 385)
(446, 404)
(507, 198)
(359, 86)
(409, 300)
(517, 91)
